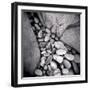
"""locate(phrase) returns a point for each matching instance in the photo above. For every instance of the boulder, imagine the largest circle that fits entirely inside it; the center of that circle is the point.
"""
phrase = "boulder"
(30, 49)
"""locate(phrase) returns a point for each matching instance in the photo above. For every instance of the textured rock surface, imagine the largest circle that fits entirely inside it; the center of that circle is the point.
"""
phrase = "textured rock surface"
(67, 24)
(31, 53)
(72, 38)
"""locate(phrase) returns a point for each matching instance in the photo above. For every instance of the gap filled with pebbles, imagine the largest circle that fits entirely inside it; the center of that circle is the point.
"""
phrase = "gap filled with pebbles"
(57, 58)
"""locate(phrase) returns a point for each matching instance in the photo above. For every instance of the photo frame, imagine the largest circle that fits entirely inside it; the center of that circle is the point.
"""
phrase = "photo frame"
(48, 44)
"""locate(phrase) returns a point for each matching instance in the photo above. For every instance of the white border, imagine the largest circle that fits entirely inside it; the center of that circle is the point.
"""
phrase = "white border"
(82, 43)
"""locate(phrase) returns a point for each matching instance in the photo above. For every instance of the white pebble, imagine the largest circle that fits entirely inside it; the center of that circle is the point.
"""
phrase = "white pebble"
(38, 72)
(43, 52)
(46, 38)
(65, 71)
(53, 65)
(67, 64)
(36, 20)
(40, 34)
(59, 59)
(61, 52)
(42, 61)
(69, 57)
(47, 30)
(57, 71)
(59, 44)
(37, 26)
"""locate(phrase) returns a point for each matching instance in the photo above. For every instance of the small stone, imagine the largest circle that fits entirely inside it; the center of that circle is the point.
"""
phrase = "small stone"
(40, 40)
(43, 52)
(46, 54)
(77, 58)
(49, 51)
(42, 61)
(61, 52)
(46, 38)
(36, 20)
(37, 26)
(45, 67)
(57, 71)
(67, 64)
(69, 57)
(75, 67)
(57, 58)
(53, 65)
(53, 36)
(40, 34)
(65, 71)
(49, 59)
(47, 30)
(51, 41)
(59, 44)
(38, 72)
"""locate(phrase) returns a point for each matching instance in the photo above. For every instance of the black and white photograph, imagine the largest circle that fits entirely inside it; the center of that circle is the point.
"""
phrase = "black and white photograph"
(50, 44)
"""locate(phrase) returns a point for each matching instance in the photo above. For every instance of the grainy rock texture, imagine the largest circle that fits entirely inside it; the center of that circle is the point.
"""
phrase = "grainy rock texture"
(31, 53)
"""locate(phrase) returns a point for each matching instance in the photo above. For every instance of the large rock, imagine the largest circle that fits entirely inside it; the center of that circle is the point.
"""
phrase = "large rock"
(30, 49)
(72, 38)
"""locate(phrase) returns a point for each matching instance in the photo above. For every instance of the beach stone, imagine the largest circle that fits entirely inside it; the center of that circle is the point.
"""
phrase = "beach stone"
(57, 58)
(38, 72)
(67, 64)
(53, 65)
(69, 57)
(61, 52)
(65, 71)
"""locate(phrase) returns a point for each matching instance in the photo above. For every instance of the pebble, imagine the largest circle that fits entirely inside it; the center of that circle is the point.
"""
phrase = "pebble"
(57, 71)
(42, 61)
(43, 52)
(69, 57)
(36, 20)
(71, 72)
(40, 34)
(67, 64)
(37, 26)
(57, 58)
(46, 38)
(59, 44)
(77, 58)
(75, 67)
(51, 41)
(38, 72)
(45, 67)
(49, 59)
(61, 52)
(46, 54)
(40, 40)
(65, 71)
(47, 30)
(53, 65)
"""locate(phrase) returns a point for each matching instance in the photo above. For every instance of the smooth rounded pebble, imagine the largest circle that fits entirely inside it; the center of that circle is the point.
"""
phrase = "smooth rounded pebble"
(57, 71)
(77, 58)
(69, 57)
(40, 34)
(53, 65)
(36, 20)
(57, 58)
(46, 38)
(61, 52)
(37, 26)
(65, 71)
(75, 67)
(67, 64)
(38, 72)
(59, 44)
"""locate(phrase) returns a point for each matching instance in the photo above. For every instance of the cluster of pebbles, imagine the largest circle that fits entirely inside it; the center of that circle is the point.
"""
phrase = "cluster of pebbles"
(56, 58)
